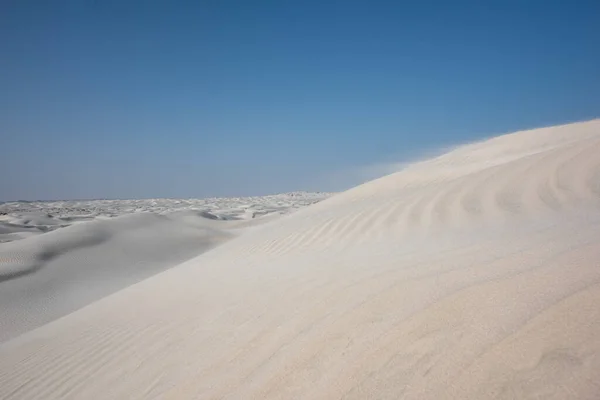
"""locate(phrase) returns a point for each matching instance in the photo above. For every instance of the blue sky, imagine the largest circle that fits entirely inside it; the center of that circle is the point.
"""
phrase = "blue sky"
(135, 99)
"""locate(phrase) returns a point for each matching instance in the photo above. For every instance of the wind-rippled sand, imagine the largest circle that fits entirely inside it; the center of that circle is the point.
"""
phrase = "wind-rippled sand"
(475, 275)
(59, 256)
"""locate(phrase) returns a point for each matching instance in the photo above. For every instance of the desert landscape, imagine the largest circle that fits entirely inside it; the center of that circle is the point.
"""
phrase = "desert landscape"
(109, 244)
(472, 275)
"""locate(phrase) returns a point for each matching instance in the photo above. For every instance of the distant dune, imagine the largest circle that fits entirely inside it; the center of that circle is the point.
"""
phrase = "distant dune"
(58, 272)
(71, 259)
(474, 275)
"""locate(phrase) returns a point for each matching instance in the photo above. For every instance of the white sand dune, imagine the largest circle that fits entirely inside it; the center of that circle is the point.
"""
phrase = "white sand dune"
(51, 275)
(23, 219)
(57, 271)
(475, 275)
(14, 227)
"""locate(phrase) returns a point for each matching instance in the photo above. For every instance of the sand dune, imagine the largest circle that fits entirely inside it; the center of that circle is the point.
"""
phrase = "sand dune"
(72, 259)
(26, 218)
(107, 245)
(56, 273)
(470, 276)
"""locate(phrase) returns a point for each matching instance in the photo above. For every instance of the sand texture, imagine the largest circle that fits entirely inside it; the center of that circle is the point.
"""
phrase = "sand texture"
(474, 275)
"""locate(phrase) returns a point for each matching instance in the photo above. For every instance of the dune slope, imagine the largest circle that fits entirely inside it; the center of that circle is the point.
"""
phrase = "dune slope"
(470, 276)
(50, 275)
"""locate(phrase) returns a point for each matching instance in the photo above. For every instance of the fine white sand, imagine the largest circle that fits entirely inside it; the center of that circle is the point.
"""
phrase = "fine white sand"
(53, 274)
(21, 219)
(475, 275)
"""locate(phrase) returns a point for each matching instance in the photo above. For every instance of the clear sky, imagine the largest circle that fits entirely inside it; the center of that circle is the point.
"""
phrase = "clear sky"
(135, 99)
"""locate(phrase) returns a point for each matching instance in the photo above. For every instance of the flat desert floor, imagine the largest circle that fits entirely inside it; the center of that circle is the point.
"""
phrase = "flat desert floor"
(473, 275)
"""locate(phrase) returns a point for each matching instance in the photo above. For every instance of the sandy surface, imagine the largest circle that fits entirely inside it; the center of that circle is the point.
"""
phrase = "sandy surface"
(76, 252)
(475, 275)
(23, 219)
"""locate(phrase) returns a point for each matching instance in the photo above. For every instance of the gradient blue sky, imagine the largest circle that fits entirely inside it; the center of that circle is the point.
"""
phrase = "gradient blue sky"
(134, 99)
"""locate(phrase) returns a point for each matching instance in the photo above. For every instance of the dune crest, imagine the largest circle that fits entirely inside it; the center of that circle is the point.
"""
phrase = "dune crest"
(473, 275)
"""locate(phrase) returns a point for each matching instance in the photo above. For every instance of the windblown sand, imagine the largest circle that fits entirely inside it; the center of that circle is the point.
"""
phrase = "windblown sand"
(475, 275)
(77, 252)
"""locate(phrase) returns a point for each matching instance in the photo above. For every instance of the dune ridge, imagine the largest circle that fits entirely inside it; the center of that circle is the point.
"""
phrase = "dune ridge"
(50, 275)
(473, 275)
